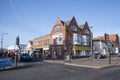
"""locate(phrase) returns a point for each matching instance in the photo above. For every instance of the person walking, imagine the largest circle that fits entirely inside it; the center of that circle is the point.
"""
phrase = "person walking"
(54, 56)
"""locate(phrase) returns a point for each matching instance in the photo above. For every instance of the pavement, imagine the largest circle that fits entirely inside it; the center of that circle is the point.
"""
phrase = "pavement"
(84, 62)
(89, 63)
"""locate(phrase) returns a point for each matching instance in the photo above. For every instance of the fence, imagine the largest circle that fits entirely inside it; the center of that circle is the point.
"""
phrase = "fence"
(4, 62)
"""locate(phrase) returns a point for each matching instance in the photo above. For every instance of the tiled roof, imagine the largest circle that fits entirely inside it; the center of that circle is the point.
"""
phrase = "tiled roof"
(42, 36)
(112, 37)
(31, 42)
(65, 23)
(81, 26)
(68, 22)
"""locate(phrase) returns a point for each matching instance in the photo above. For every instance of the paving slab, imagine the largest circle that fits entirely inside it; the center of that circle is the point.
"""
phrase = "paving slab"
(90, 63)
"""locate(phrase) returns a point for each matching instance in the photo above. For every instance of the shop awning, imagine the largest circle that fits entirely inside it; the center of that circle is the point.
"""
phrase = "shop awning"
(81, 48)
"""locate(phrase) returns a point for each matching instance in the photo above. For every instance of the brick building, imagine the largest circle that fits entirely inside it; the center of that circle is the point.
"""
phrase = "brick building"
(66, 37)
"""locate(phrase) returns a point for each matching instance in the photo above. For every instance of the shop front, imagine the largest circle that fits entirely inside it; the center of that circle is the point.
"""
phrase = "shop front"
(81, 51)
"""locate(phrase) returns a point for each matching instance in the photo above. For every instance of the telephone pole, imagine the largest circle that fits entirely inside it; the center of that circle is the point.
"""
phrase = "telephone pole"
(2, 41)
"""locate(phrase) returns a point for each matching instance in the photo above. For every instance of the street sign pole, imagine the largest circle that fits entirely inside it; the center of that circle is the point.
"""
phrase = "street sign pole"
(108, 47)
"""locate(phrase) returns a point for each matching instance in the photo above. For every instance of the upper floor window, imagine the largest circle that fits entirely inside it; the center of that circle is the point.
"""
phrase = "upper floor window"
(88, 40)
(40, 43)
(46, 42)
(57, 28)
(86, 31)
(79, 38)
(73, 28)
(70, 38)
(84, 39)
(55, 40)
(59, 37)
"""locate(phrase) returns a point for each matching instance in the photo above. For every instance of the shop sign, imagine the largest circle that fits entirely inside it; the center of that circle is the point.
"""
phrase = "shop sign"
(81, 48)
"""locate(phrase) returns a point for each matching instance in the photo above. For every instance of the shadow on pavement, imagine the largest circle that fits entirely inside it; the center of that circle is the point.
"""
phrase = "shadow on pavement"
(16, 68)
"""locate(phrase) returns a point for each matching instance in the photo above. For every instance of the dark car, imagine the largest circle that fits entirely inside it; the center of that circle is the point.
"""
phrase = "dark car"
(99, 56)
(25, 57)
(118, 54)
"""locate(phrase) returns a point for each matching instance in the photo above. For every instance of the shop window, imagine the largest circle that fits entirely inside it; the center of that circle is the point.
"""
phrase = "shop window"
(59, 51)
(87, 53)
(78, 52)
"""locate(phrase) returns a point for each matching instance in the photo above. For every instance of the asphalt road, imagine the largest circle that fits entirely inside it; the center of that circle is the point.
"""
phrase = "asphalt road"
(55, 71)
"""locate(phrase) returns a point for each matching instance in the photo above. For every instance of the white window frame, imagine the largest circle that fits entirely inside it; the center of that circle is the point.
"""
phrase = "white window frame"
(57, 29)
(86, 31)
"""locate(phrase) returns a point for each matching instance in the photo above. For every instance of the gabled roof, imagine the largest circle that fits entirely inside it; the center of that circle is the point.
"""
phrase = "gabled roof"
(81, 26)
(113, 37)
(31, 42)
(66, 23)
(101, 38)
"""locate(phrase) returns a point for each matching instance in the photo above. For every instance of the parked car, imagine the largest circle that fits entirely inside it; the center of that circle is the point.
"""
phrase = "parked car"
(25, 57)
(118, 54)
(99, 56)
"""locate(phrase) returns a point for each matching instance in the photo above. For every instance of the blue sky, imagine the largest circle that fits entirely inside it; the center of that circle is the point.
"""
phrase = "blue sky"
(32, 18)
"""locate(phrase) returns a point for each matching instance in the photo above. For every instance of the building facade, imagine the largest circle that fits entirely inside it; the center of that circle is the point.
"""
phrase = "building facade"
(99, 45)
(15, 48)
(66, 37)
(29, 47)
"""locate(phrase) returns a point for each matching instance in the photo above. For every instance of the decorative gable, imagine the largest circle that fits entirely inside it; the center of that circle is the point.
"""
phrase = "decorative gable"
(57, 26)
(86, 29)
(73, 25)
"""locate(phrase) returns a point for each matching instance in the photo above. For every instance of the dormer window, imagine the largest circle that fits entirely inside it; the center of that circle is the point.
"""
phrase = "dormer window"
(86, 31)
(73, 28)
(57, 28)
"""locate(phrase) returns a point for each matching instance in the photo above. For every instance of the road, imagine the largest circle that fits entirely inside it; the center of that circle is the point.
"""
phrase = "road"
(55, 71)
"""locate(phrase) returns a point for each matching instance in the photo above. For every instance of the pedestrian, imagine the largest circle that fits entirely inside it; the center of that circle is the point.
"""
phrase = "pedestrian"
(7, 55)
(54, 55)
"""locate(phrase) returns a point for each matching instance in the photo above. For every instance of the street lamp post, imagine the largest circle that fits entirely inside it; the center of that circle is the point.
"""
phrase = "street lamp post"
(2, 41)
(92, 54)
